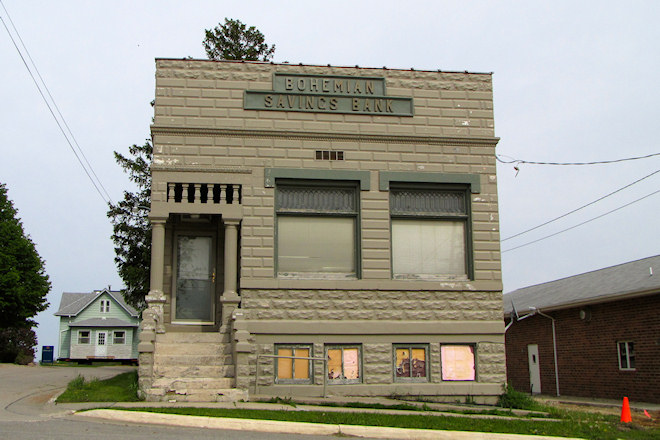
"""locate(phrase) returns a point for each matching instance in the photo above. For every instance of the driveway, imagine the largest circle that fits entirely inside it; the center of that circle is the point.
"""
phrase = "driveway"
(27, 389)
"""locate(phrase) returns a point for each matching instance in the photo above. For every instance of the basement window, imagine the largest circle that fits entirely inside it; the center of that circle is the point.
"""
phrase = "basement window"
(457, 362)
(344, 364)
(289, 370)
(410, 363)
(626, 355)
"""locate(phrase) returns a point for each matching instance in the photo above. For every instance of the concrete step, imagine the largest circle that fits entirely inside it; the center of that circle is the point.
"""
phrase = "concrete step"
(198, 348)
(191, 360)
(188, 385)
(218, 395)
(194, 337)
(165, 370)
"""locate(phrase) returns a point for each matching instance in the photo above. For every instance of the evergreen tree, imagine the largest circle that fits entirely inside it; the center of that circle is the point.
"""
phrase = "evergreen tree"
(235, 41)
(130, 225)
(23, 286)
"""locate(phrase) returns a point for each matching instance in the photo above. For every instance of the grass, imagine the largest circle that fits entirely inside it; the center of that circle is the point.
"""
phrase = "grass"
(121, 388)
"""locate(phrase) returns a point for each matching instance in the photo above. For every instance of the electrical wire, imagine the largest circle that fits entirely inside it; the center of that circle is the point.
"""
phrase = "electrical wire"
(106, 198)
(583, 223)
(599, 162)
(581, 207)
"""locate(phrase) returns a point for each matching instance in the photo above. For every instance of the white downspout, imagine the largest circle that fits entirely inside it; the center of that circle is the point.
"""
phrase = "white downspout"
(554, 347)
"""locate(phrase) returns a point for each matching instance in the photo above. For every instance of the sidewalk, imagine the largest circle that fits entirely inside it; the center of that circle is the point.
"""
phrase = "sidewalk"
(310, 404)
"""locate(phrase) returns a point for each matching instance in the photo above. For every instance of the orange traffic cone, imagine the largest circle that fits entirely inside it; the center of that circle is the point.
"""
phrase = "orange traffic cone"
(625, 412)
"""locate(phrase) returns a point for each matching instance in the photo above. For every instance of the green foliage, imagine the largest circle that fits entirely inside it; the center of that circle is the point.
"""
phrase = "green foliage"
(235, 41)
(23, 280)
(516, 400)
(130, 225)
(121, 388)
(17, 345)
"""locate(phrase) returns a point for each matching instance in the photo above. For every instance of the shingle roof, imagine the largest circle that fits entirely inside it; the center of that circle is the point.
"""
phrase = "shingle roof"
(624, 280)
(73, 303)
(100, 322)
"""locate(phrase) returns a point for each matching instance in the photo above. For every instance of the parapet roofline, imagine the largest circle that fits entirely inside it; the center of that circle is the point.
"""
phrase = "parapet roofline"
(325, 65)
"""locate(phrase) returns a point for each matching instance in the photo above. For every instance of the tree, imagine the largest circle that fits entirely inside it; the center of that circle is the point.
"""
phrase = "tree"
(23, 280)
(129, 217)
(234, 41)
(131, 232)
(23, 286)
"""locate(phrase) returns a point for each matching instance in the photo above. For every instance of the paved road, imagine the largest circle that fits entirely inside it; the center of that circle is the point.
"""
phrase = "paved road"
(26, 414)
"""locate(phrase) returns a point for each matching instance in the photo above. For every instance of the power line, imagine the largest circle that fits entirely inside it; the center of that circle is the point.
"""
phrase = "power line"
(581, 207)
(599, 162)
(106, 198)
(583, 223)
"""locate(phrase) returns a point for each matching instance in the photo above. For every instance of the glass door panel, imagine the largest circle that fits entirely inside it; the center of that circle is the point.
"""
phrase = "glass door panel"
(194, 279)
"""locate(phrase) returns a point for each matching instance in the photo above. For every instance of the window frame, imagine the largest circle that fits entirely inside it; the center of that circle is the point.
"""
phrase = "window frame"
(629, 346)
(105, 306)
(293, 380)
(464, 218)
(81, 337)
(342, 380)
(116, 340)
(410, 347)
(474, 362)
(302, 213)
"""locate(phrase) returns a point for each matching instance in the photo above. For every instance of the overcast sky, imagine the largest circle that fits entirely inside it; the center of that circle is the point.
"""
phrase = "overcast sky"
(573, 82)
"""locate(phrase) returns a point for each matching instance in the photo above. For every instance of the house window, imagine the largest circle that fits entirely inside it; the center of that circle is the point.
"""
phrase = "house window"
(316, 230)
(83, 336)
(410, 363)
(430, 232)
(105, 305)
(291, 370)
(119, 337)
(626, 355)
(457, 362)
(344, 364)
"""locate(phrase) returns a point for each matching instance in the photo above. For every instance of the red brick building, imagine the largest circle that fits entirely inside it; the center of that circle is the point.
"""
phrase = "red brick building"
(593, 335)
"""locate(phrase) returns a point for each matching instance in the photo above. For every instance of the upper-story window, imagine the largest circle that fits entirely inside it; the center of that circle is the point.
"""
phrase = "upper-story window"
(316, 229)
(105, 305)
(430, 230)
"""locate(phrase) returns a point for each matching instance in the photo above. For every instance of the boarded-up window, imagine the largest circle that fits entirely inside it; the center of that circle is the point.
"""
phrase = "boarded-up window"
(344, 364)
(457, 362)
(291, 370)
(410, 363)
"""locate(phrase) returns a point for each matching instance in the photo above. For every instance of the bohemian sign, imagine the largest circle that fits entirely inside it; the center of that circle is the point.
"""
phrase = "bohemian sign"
(328, 94)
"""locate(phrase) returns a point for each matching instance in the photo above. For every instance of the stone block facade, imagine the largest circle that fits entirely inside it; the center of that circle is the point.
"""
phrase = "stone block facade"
(238, 149)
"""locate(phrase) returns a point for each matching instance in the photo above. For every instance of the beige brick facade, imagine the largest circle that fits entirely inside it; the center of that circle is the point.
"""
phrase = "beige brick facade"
(205, 140)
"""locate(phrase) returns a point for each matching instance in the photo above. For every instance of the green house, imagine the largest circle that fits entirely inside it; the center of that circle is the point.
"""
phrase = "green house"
(97, 326)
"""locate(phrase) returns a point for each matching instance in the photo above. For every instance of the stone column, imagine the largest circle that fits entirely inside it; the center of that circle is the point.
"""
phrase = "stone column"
(230, 298)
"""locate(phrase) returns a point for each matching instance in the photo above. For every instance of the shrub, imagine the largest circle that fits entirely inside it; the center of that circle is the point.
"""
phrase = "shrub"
(516, 400)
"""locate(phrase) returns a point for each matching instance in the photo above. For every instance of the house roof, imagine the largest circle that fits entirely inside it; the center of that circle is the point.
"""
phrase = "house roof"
(73, 303)
(636, 278)
(100, 322)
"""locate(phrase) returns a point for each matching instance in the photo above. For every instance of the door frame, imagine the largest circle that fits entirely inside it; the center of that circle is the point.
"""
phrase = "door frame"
(534, 368)
(97, 351)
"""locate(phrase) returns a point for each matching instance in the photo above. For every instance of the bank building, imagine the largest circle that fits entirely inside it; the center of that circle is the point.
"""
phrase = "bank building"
(321, 230)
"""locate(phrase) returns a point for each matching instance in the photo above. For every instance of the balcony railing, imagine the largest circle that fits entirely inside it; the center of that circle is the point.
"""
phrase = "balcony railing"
(204, 193)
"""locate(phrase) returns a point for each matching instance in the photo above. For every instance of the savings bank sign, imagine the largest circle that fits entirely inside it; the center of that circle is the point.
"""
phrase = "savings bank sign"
(328, 94)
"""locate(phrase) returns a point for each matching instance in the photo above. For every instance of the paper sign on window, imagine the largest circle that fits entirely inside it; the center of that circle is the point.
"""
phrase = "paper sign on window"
(457, 362)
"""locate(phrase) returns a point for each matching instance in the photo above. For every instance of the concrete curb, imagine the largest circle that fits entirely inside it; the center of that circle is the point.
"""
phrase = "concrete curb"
(279, 427)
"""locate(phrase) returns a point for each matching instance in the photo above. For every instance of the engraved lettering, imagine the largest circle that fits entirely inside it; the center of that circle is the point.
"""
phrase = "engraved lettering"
(356, 105)
(358, 89)
(370, 87)
(367, 105)
(301, 84)
(309, 102)
(339, 85)
(378, 105)
(389, 106)
(326, 85)
(288, 83)
(291, 99)
(322, 102)
(280, 102)
(333, 103)
(314, 84)
(268, 101)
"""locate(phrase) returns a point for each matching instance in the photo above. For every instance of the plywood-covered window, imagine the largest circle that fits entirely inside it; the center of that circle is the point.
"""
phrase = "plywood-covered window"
(458, 362)
(344, 363)
(292, 367)
(430, 232)
(410, 363)
(316, 229)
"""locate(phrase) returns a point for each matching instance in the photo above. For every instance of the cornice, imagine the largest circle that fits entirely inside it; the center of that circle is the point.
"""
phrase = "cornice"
(324, 136)
(205, 169)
